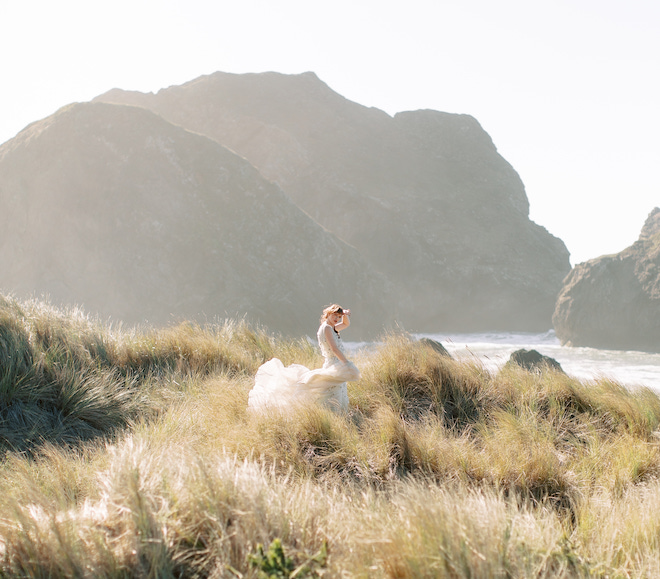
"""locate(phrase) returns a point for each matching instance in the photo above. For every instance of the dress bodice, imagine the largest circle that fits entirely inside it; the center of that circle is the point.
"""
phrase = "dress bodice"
(326, 350)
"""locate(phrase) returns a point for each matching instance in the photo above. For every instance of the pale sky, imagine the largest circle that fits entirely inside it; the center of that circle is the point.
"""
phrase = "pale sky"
(569, 90)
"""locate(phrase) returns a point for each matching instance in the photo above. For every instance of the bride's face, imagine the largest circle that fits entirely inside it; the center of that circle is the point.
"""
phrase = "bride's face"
(334, 319)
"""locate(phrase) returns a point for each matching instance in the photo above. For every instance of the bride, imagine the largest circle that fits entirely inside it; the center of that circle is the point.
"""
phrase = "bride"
(276, 386)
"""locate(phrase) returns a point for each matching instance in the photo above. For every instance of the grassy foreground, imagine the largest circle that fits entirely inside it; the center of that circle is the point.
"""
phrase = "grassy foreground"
(129, 453)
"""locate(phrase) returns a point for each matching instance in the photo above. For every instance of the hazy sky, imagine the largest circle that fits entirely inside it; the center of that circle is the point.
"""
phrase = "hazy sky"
(569, 90)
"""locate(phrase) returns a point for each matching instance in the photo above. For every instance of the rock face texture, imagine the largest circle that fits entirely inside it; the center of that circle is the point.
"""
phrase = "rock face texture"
(113, 208)
(436, 347)
(533, 361)
(423, 196)
(614, 301)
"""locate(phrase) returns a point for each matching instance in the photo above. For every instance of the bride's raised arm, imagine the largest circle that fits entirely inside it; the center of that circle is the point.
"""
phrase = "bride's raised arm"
(345, 321)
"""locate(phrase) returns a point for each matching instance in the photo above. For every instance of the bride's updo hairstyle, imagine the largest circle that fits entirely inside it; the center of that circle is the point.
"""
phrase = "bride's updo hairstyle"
(333, 309)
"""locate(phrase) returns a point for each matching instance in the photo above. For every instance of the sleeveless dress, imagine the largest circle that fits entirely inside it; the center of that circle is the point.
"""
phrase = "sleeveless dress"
(280, 387)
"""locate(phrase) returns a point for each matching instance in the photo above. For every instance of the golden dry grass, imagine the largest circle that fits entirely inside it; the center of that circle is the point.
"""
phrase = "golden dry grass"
(130, 453)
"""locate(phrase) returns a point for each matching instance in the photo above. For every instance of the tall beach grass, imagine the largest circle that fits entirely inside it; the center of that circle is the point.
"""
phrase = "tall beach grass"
(129, 452)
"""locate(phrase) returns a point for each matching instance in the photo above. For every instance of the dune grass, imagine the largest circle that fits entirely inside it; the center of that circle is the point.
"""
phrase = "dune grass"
(130, 453)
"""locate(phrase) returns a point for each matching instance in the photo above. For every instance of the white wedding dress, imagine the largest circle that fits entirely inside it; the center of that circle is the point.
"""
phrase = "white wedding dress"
(280, 387)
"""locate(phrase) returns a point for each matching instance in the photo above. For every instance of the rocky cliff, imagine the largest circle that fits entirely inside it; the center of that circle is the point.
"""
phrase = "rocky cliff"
(614, 301)
(116, 209)
(423, 196)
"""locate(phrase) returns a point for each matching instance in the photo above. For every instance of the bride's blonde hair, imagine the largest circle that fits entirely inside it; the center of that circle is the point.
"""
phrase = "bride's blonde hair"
(333, 309)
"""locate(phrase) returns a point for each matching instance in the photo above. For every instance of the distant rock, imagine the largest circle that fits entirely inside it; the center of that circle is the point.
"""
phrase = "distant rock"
(613, 302)
(423, 196)
(113, 208)
(533, 361)
(435, 346)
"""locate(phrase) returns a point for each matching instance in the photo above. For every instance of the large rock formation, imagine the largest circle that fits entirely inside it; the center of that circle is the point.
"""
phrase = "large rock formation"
(424, 196)
(114, 208)
(614, 301)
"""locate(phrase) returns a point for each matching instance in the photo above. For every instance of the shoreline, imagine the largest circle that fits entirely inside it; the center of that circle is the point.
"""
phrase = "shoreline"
(492, 349)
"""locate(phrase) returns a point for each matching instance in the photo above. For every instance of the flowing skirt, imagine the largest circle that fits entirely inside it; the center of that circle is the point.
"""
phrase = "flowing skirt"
(280, 387)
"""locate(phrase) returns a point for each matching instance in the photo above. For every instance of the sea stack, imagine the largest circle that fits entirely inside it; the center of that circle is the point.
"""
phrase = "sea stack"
(613, 301)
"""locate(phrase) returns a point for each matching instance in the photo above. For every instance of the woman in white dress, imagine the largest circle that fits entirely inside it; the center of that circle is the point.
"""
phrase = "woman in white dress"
(277, 386)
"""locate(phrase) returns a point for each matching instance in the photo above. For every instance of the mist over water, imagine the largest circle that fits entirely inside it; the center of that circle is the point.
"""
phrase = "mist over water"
(629, 368)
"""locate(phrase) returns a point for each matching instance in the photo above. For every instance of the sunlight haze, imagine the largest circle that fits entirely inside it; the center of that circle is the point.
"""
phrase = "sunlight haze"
(568, 91)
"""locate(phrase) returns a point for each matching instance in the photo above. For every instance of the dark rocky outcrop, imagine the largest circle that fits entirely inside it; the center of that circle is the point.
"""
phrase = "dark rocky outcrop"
(424, 196)
(613, 301)
(113, 208)
(533, 361)
(435, 346)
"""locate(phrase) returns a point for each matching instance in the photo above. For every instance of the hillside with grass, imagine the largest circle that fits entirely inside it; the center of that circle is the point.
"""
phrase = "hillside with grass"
(129, 452)
(117, 210)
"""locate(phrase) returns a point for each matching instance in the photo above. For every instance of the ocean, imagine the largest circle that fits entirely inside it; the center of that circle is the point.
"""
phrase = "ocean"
(629, 368)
